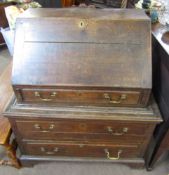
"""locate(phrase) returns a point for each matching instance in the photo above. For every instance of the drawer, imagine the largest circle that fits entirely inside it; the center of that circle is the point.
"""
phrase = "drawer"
(82, 97)
(82, 130)
(109, 151)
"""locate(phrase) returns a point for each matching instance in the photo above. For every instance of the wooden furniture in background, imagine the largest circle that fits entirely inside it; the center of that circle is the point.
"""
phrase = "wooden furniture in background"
(67, 3)
(5, 128)
(74, 99)
(3, 19)
(101, 3)
(160, 50)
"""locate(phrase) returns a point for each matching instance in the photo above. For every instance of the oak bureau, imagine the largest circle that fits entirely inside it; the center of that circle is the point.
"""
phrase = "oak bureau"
(82, 80)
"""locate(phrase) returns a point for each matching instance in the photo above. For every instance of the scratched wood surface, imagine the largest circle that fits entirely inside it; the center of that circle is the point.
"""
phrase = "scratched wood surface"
(83, 47)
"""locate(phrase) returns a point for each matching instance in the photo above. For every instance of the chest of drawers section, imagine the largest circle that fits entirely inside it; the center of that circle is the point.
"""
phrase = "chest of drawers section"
(107, 133)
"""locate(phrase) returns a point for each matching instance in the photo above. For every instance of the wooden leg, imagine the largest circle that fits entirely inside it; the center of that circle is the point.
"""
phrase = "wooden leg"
(10, 148)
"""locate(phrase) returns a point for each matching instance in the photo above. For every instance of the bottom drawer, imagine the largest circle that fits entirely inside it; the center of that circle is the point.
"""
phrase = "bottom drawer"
(108, 151)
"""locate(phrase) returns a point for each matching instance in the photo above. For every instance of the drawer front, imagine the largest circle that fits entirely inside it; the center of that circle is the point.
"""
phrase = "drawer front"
(82, 130)
(92, 98)
(105, 138)
(113, 152)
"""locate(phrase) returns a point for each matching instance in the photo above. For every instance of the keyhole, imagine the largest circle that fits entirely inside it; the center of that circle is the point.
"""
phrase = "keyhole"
(81, 24)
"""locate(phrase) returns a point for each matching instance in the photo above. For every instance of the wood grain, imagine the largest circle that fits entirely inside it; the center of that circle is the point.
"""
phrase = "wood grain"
(79, 52)
(5, 94)
(82, 150)
(67, 3)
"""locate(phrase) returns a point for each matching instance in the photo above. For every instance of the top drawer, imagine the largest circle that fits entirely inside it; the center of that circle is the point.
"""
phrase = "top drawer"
(81, 97)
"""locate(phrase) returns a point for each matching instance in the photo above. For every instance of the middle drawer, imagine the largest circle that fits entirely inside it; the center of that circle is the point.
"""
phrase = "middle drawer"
(67, 129)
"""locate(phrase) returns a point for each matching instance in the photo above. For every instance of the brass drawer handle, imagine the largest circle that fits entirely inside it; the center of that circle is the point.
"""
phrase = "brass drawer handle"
(53, 94)
(113, 158)
(121, 98)
(109, 129)
(51, 127)
(49, 152)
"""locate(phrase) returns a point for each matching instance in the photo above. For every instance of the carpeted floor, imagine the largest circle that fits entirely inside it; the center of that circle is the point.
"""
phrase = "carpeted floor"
(77, 168)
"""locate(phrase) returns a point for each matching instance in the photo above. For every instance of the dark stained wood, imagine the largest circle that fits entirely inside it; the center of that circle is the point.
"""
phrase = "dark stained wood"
(80, 97)
(67, 3)
(48, 112)
(82, 84)
(162, 148)
(159, 143)
(3, 21)
(74, 128)
(87, 126)
(80, 53)
(81, 150)
(29, 161)
(82, 130)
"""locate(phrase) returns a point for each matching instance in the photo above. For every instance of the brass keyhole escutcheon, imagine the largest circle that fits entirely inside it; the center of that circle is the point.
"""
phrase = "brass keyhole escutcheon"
(82, 24)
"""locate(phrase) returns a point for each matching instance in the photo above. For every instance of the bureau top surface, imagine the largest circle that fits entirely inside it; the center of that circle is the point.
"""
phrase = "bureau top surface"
(83, 48)
(105, 14)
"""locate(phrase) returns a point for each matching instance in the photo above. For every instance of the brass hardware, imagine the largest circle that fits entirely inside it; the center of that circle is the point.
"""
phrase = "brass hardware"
(42, 149)
(109, 129)
(51, 126)
(118, 101)
(82, 24)
(49, 152)
(37, 126)
(53, 94)
(113, 158)
(125, 130)
(81, 145)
